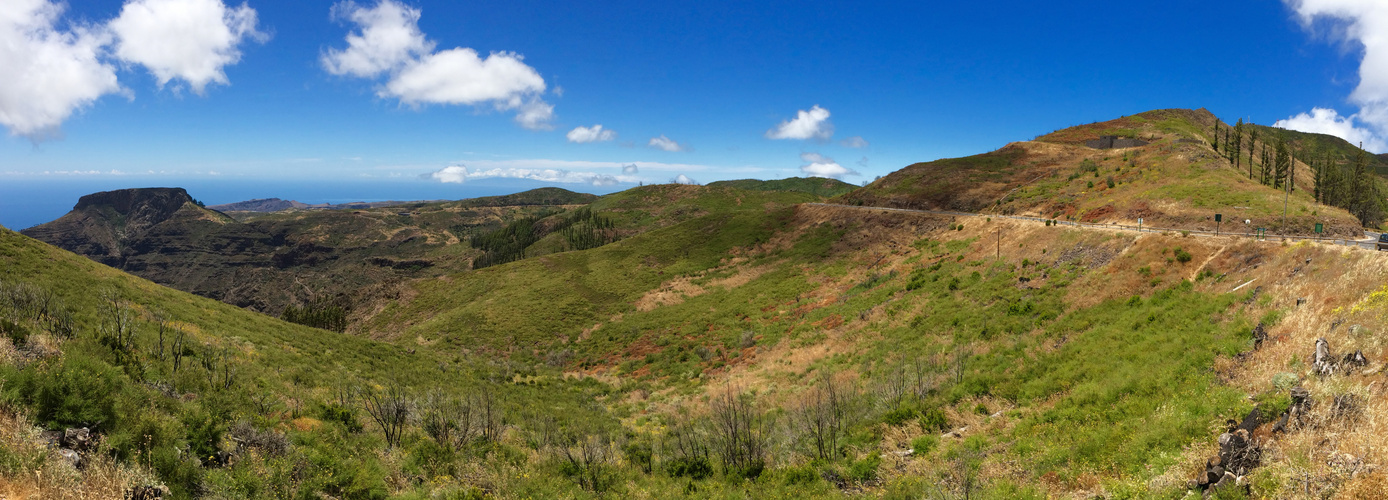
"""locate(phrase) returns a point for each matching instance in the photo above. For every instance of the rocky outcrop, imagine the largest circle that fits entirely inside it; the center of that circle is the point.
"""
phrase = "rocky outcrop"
(1327, 363)
(1239, 454)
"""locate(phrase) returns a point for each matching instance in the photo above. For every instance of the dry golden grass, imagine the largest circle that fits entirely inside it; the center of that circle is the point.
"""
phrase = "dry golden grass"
(43, 474)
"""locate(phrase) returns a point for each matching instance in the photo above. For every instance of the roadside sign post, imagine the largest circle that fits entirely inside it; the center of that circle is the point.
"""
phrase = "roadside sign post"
(1218, 219)
(1139, 224)
(1319, 229)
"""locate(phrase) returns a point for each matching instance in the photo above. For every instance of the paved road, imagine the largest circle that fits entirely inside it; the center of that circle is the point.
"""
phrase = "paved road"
(1370, 238)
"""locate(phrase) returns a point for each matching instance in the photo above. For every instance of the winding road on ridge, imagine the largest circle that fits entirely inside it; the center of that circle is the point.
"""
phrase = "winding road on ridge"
(1370, 237)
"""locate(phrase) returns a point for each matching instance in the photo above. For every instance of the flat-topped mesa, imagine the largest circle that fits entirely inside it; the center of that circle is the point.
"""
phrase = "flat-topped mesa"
(144, 203)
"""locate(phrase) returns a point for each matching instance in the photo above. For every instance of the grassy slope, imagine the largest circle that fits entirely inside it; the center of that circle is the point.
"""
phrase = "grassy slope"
(673, 310)
(817, 186)
(1176, 181)
(295, 368)
(641, 209)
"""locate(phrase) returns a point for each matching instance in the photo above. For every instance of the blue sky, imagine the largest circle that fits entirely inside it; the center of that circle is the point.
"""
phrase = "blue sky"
(277, 94)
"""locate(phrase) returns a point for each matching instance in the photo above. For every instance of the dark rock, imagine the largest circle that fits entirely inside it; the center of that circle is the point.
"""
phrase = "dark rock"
(79, 439)
(71, 457)
(52, 439)
(156, 492)
(1251, 421)
(1324, 362)
(1281, 425)
(1238, 452)
(1260, 335)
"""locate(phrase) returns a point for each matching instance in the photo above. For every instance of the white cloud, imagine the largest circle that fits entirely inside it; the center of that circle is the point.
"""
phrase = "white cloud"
(390, 42)
(48, 74)
(191, 40)
(454, 173)
(535, 114)
(683, 179)
(631, 169)
(817, 165)
(854, 142)
(389, 38)
(1329, 121)
(459, 174)
(812, 124)
(594, 133)
(665, 143)
(1364, 22)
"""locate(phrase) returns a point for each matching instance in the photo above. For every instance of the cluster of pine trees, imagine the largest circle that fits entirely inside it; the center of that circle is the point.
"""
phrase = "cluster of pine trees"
(581, 230)
(318, 314)
(1339, 181)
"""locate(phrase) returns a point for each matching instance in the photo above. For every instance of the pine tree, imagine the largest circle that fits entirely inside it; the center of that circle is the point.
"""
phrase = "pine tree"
(1281, 165)
(1318, 175)
(1267, 164)
(1238, 143)
(1215, 140)
(1291, 171)
(1252, 147)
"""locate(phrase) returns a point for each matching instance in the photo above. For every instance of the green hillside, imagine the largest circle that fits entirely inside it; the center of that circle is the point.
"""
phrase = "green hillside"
(818, 186)
(281, 402)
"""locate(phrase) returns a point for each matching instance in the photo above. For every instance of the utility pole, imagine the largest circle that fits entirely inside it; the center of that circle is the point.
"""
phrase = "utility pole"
(999, 241)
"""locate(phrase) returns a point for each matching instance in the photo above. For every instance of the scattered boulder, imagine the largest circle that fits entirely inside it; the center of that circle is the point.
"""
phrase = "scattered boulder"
(1327, 363)
(71, 457)
(1239, 454)
(1260, 335)
(1296, 413)
(78, 439)
(1324, 363)
(156, 492)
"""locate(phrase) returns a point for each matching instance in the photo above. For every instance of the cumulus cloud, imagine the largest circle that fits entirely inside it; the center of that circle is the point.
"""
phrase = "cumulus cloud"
(812, 124)
(854, 142)
(1329, 121)
(389, 42)
(665, 143)
(1363, 22)
(631, 169)
(683, 179)
(459, 174)
(817, 165)
(48, 74)
(389, 38)
(190, 40)
(594, 133)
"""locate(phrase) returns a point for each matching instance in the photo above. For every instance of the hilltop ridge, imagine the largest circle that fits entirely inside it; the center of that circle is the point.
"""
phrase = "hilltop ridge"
(1174, 180)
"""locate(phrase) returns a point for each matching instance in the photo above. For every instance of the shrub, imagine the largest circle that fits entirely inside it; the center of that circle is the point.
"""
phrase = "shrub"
(933, 420)
(864, 470)
(1182, 255)
(80, 392)
(1110, 182)
(345, 415)
(898, 417)
(639, 453)
(925, 444)
(804, 474)
(692, 467)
